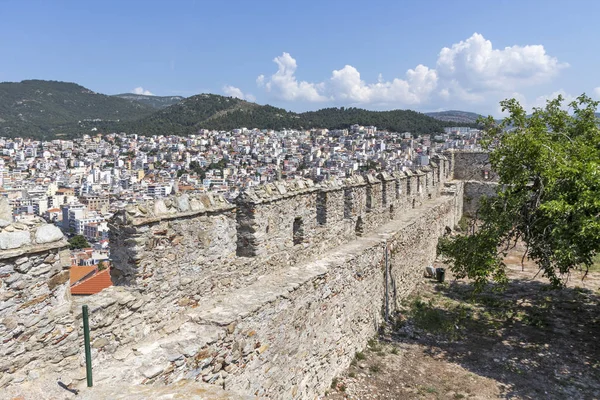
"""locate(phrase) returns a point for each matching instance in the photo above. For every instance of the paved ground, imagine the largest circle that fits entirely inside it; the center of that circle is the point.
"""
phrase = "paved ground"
(529, 342)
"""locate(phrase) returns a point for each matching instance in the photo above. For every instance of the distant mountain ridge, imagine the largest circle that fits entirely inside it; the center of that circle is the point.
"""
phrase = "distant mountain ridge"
(50, 109)
(455, 116)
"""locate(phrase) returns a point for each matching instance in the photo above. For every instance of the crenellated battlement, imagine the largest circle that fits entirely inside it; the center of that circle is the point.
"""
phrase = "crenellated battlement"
(173, 207)
(266, 228)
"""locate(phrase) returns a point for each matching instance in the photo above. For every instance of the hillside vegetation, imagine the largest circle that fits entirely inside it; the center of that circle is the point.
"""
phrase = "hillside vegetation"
(211, 111)
(49, 109)
(43, 109)
(152, 101)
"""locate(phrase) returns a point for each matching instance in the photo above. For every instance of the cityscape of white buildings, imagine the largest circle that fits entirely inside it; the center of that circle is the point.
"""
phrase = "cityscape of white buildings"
(78, 184)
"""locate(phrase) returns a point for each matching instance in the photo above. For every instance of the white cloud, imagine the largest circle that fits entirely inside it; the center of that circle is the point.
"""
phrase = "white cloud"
(237, 92)
(597, 92)
(453, 91)
(346, 84)
(233, 91)
(477, 66)
(466, 73)
(140, 90)
(284, 85)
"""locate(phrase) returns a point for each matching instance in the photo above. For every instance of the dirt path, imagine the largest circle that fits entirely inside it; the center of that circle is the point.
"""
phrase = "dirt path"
(528, 342)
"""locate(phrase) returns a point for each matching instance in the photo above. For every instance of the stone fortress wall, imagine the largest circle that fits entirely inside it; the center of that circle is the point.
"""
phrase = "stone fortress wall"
(270, 296)
(217, 245)
(473, 167)
(34, 295)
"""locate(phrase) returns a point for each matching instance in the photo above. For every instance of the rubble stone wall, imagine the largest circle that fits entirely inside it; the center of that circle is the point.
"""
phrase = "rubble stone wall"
(164, 246)
(479, 181)
(296, 331)
(184, 248)
(472, 166)
(332, 316)
(34, 288)
(474, 192)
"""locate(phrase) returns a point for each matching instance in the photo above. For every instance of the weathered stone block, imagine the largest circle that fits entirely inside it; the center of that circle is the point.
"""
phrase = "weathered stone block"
(40, 270)
(65, 258)
(13, 240)
(58, 280)
(183, 203)
(160, 207)
(47, 234)
(5, 210)
(24, 267)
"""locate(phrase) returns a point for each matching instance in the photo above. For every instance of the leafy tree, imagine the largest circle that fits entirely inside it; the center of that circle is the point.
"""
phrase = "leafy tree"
(198, 170)
(78, 242)
(371, 165)
(101, 266)
(220, 165)
(548, 196)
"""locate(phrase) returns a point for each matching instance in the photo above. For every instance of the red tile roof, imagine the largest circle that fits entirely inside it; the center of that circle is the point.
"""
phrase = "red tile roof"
(77, 273)
(94, 284)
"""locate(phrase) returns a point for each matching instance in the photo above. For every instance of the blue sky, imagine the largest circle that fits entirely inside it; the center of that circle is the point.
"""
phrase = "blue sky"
(312, 54)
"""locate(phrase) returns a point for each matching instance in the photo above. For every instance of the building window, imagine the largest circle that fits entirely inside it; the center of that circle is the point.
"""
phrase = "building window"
(298, 231)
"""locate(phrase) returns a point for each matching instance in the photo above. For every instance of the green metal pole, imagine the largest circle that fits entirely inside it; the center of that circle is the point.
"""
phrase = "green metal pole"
(88, 351)
(387, 295)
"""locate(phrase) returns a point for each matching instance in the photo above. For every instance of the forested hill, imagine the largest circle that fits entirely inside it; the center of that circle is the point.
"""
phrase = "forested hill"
(395, 120)
(211, 111)
(49, 109)
(188, 116)
(43, 109)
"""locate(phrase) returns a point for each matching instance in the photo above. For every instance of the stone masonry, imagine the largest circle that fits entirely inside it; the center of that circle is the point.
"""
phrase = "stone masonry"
(34, 290)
